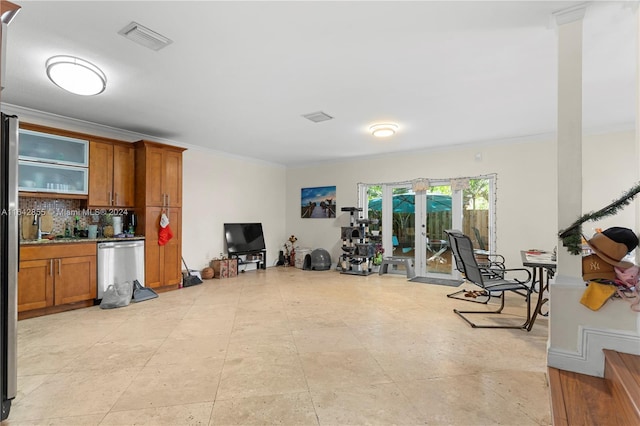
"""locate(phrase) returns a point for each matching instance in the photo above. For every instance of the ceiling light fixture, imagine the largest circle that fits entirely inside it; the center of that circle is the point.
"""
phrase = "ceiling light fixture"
(76, 75)
(383, 130)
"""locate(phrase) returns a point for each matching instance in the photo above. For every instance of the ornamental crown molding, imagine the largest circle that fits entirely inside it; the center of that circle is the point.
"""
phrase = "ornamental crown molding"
(570, 14)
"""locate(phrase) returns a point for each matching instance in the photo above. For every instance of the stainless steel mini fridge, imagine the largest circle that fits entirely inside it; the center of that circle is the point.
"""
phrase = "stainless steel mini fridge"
(9, 253)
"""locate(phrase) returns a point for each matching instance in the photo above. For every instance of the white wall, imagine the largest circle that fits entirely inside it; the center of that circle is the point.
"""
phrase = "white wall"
(218, 189)
(526, 191)
(526, 187)
(609, 169)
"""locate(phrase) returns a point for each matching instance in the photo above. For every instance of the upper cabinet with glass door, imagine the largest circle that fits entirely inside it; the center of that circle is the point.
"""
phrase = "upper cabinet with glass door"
(52, 163)
(48, 148)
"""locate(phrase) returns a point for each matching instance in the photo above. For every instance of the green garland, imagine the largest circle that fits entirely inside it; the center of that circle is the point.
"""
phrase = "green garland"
(572, 236)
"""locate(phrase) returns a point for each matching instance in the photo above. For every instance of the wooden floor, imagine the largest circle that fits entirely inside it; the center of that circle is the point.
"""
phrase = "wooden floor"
(578, 399)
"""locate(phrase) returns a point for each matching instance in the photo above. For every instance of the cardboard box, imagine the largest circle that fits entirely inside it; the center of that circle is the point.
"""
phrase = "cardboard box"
(224, 268)
(232, 267)
(220, 268)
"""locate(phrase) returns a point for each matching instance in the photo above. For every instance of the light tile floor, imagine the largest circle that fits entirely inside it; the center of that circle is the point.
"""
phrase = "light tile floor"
(282, 346)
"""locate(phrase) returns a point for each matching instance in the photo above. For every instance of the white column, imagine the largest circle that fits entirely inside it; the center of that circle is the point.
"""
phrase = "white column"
(637, 205)
(569, 134)
(564, 293)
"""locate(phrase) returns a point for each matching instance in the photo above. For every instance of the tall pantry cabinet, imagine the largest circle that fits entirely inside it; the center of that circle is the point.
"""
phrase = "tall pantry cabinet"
(158, 190)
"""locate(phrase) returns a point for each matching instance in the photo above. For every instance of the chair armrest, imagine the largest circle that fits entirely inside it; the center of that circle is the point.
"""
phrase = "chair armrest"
(496, 257)
(525, 270)
(492, 273)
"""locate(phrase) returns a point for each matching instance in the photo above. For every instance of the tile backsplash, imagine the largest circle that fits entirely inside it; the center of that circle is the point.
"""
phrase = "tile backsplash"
(62, 210)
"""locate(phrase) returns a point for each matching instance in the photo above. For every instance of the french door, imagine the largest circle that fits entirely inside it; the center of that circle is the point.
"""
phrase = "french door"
(412, 220)
(437, 209)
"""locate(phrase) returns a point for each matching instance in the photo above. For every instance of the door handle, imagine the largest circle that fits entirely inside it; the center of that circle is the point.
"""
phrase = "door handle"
(116, 194)
(110, 199)
(59, 267)
(51, 267)
(168, 200)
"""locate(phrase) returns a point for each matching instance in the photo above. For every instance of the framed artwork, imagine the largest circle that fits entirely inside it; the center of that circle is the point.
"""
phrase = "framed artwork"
(318, 202)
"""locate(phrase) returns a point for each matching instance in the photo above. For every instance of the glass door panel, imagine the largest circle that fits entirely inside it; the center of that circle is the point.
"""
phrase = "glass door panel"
(43, 177)
(476, 217)
(49, 148)
(439, 214)
(404, 221)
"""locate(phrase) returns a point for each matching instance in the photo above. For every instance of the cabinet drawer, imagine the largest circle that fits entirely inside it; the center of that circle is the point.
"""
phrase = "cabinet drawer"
(57, 250)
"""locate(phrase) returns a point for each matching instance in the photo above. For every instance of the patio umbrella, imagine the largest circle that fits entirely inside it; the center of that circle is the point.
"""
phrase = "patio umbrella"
(405, 203)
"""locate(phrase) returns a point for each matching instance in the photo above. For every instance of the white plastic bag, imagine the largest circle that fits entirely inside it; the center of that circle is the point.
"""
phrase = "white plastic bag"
(117, 295)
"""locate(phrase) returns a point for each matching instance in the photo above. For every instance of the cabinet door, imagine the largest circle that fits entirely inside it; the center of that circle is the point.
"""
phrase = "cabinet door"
(123, 175)
(152, 273)
(154, 180)
(162, 263)
(75, 279)
(35, 284)
(100, 174)
(172, 251)
(172, 178)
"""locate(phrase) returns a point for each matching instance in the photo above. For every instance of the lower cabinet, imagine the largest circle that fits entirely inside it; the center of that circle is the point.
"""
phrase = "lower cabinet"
(56, 274)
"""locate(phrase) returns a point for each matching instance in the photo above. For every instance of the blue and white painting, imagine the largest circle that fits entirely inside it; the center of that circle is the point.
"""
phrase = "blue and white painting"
(318, 202)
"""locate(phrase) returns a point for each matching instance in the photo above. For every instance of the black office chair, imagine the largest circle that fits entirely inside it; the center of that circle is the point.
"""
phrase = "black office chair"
(493, 287)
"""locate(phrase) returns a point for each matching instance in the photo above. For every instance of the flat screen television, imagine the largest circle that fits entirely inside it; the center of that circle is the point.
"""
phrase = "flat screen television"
(244, 237)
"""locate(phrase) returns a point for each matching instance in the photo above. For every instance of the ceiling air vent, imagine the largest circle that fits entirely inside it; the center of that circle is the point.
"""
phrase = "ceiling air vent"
(144, 36)
(317, 117)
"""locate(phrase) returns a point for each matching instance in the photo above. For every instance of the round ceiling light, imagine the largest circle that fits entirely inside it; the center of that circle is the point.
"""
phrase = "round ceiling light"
(76, 75)
(383, 130)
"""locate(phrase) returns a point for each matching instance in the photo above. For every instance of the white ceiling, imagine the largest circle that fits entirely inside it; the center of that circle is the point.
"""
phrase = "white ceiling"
(239, 75)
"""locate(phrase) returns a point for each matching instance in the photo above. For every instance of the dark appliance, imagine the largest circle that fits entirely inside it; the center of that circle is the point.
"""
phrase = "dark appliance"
(244, 238)
(133, 222)
(9, 252)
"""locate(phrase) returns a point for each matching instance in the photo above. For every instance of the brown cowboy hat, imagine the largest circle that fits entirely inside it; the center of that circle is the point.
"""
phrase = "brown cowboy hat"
(610, 250)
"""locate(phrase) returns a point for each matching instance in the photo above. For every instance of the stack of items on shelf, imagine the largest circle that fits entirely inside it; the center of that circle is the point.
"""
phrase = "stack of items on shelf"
(609, 270)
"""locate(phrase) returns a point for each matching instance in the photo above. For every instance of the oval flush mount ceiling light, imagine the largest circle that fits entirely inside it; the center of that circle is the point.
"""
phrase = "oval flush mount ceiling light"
(76, 75)
(383, 130)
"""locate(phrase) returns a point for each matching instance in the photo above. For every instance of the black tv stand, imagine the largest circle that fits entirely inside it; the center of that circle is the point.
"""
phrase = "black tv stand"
(259, 258)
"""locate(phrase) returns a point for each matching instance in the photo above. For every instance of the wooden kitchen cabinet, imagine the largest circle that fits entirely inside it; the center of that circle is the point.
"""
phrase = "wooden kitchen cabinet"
(158, 174)
(35, 284)
(54, 276)
(159, 188)
(111, 174)
(162, 263)
(75, 279)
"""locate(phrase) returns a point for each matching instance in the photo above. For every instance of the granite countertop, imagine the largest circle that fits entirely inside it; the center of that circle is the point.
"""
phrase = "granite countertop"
(79, 240)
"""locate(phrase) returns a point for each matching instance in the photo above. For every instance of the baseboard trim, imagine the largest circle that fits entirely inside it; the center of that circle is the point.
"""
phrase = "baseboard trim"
(589, 359)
